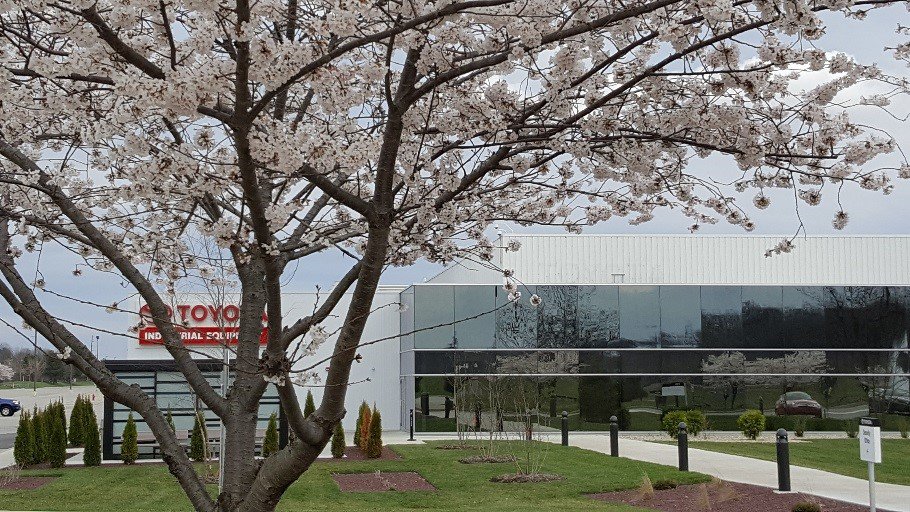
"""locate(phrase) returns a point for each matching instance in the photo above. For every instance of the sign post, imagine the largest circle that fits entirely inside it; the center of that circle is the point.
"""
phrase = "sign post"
(870, 450)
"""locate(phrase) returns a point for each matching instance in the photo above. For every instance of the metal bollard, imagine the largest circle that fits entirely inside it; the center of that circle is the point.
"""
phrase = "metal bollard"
(783, 461)
(614, 437)
(411, 438)
(683, 442)
(565, 428)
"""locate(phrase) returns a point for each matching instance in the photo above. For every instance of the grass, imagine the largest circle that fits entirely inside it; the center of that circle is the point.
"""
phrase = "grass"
(28, 384)
(460, 487)
(835, 455)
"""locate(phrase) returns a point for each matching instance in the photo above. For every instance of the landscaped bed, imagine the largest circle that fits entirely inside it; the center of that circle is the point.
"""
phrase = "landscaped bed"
(458, 486)
(725, 496)
(835, 455)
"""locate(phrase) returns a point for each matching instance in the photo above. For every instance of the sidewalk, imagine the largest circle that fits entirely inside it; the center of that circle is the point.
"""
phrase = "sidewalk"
(734, 468)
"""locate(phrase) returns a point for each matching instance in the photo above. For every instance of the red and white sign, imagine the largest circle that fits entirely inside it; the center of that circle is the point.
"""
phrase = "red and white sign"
(198, 324)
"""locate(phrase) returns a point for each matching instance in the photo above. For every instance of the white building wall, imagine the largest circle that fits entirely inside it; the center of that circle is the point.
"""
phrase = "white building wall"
(380, 361)
(696, 259)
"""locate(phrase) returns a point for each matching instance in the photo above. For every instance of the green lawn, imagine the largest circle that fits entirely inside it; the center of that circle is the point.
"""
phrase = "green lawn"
(460, 487)
(834, 455)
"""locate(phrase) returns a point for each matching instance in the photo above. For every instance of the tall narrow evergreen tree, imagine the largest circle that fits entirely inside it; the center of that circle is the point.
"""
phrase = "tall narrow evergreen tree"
(374, 441)
(129, 449)
(310, 406)
(364, 434)
(92, 454)
(270, 442)
(24, 445)
(170, 420)
(38, 427)
(77, 421)
(197, 440)
(338, 441)
(56, 446)
(359, 423)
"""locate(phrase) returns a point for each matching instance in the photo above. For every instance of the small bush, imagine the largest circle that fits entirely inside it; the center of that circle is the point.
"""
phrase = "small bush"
(374, 442)
(92, 454)
(338, 441)
(751, 423)
(903, 426)
(695, 421)
(663, 485)
(365, 429)
(56, 447)
(671, 422)
(805, 506)
(198, 440)
(851, 428)
(799, 426)
(76, 422)
(270, 443)
(129, 449)
(24, 445)
(310, 406)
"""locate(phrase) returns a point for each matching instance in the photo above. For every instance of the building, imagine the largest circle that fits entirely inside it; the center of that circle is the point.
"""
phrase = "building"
(633, 326)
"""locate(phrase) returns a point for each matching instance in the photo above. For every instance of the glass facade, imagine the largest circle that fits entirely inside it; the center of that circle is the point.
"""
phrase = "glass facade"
(162, 381)
(637, 351)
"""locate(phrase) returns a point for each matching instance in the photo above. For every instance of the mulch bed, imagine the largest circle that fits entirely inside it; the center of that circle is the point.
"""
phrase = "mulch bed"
(487, 459)
(381, 482)
(525, 478)
(354, 453)
(27, 483)
(726, 496)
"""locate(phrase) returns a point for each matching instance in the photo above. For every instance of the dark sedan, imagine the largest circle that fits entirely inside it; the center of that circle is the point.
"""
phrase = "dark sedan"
(797, 403)
(9, 407)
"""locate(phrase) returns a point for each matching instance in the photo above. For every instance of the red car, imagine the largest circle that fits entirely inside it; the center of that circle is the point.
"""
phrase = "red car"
(797, 403)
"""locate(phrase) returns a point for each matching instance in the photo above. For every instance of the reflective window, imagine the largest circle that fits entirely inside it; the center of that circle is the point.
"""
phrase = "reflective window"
(433, 317)
(557, 316)
(639, 316)
(516, 321)
(598, 316)
(474, 313)
(804, 316)
(721, 316)
(762, 316)
(680, 316)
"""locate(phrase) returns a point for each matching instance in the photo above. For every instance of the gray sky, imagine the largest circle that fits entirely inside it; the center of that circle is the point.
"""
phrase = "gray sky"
(870, 213)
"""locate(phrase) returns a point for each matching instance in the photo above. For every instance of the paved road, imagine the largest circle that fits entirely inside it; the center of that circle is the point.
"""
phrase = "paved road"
(42, 397)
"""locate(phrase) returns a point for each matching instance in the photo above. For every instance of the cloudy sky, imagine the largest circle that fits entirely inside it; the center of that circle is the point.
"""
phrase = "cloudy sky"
(870, 212)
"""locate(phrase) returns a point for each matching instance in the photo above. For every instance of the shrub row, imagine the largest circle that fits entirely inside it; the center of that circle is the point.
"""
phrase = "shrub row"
(42, 435)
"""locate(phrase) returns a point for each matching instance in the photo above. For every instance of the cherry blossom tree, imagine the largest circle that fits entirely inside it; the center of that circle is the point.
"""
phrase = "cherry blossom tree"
(389, 132)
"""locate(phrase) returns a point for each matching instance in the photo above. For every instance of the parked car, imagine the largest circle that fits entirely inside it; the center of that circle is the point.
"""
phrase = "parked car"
(797, 403)
(9, 407)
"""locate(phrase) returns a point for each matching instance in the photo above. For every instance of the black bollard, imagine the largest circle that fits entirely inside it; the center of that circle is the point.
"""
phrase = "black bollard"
(683, 440)
(614, 437)
(783, 461)
(411, 438)
(425, 404)
(565, 428)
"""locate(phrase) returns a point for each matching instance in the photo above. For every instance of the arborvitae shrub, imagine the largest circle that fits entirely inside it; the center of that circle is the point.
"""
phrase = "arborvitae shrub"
(270, 442)
(338, 441)
(359, 425)
(374, 442)
(751, 423)
(38, 427)
(364, 434)
(197, 440)
(310, 406)
(129, 450)
(61, 416)
(77, 420)
(56, 446)
(170, 421)
(24, 445)
(92, 454)
(805, 506)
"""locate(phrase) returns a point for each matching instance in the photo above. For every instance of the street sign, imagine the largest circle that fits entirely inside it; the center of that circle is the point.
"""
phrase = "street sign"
(870, 440)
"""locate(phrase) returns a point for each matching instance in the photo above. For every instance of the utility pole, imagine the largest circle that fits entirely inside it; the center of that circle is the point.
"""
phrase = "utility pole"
(225, 359)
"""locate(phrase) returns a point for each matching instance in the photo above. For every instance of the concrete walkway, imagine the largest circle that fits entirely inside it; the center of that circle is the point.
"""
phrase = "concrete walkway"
(734, 468)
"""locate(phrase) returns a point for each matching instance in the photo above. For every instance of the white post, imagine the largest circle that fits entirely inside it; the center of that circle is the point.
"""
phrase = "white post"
(871, 487)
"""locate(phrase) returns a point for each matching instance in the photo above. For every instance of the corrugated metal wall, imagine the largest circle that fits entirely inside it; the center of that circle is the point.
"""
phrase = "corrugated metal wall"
(702, 259)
